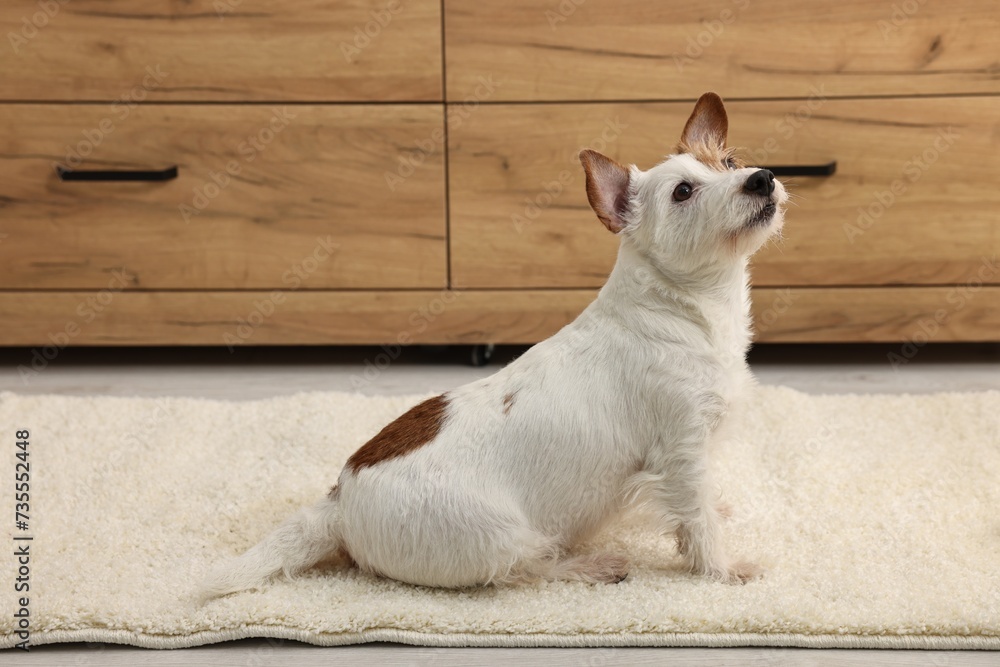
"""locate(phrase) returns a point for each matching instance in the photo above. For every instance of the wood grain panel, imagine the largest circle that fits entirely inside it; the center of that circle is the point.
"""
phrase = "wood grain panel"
(56, 319)
(913, 201)
(296, 317)
(967, 312)
(674, 49)
(262, 191)
(228, 50)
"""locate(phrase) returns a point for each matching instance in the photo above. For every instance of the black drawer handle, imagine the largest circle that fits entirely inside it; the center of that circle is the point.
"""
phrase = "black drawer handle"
(167, 174)
(828, 169)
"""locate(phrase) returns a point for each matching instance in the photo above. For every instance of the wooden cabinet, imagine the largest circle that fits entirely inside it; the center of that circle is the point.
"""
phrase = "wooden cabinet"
(222, 50)
(587, 50)
(383, 171)
(266, 196)
(904, 207)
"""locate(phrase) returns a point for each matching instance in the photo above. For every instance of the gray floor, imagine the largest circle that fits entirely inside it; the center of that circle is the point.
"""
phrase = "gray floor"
(263, 372)
(260, 373)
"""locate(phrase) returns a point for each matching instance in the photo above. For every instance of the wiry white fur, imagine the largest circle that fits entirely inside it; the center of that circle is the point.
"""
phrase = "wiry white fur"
(617, 407)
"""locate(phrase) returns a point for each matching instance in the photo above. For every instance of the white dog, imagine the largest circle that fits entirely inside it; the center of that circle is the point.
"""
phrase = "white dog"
(496, 481)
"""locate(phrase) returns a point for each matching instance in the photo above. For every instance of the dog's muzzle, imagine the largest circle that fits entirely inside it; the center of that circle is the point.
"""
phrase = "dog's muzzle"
(763, 216)
(761, 183)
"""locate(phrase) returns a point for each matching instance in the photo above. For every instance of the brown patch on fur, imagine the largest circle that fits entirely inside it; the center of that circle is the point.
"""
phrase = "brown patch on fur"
(334, 493)
(416, 427)
(508, 402)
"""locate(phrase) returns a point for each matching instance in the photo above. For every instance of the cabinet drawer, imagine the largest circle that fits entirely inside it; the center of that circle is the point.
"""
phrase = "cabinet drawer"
(223, 50)
(913, 201)
(258, 188)
(670, 50)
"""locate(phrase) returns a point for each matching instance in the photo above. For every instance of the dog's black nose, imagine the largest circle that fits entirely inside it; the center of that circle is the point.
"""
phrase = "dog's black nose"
(761, 182)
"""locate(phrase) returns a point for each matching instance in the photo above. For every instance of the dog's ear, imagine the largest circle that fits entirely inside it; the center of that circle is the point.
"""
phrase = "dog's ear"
(708, 124)
(607, 188)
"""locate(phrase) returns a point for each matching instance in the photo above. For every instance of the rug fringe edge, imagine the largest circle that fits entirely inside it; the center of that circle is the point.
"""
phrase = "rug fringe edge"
(472, 640)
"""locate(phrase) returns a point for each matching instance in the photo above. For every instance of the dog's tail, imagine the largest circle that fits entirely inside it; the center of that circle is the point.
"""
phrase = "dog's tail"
(304, 539)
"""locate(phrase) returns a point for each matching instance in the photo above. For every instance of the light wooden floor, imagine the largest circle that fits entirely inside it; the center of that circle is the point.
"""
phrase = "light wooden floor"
(259, 373)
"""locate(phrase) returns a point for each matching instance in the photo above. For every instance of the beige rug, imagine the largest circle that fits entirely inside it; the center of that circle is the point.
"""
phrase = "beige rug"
(877, 519)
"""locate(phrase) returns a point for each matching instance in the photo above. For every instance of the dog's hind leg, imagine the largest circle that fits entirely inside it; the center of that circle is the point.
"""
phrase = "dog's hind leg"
(592, 568)
(596, 568)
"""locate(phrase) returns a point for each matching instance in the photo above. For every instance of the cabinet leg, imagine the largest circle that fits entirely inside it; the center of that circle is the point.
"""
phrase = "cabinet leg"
(480, 355)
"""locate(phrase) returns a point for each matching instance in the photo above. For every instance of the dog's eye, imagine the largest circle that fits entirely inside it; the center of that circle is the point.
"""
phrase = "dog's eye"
(731, 163)
(683, 192)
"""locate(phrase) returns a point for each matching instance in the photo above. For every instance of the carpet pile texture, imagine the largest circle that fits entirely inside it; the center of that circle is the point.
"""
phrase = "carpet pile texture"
(875, 517)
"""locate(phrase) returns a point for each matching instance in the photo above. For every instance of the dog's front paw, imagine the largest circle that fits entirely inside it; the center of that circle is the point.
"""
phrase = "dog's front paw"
(736, 573)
